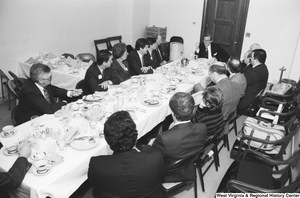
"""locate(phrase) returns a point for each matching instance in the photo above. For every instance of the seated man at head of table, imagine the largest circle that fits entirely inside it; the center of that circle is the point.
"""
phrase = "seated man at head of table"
(129, 172)
(257, 78)
(137, 64)
(208, 49)
(37, 94)
(98, 75)
(159, 54)
(184, 138)
(231, 90)
(12, 179)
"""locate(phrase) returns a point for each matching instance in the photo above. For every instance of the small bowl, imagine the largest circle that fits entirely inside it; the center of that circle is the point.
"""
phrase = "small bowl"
(8, 130)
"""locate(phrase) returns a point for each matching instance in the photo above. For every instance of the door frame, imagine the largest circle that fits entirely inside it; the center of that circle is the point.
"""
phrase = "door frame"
(241, 29)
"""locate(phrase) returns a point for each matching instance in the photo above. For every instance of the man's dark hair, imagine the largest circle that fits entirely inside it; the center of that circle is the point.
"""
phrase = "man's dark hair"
(120, 131)
(260, 55)
(141, 43)
(182, 105)
(103, 56)
(118, 50)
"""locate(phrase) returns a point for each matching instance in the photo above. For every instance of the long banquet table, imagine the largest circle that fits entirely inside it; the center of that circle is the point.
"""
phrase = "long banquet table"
(65, 177)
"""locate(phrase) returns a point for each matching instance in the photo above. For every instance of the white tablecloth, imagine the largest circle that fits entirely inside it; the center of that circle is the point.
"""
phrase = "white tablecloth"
(62, 79)
(64, 178)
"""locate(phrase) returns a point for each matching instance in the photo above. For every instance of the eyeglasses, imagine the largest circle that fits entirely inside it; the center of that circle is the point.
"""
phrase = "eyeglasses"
(206, 40)
(49, 78)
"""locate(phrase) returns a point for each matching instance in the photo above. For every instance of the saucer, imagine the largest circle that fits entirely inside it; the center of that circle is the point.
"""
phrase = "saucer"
(38, 173)
(39, 155)
(5, 152)
(77, 115)
(133, 99)
(8, 135)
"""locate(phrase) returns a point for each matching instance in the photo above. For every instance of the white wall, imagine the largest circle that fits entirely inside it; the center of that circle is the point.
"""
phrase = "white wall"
(179, 17)
(57, 26)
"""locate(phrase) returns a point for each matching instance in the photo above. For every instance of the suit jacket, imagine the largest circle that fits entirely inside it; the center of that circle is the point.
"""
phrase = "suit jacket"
(135, 64)
(93, 77)
(15, 175)
(216, 51)
(257, 79)
(32, 101)
(127, 174)
(118, 74)
(240, 79)
(152, 60)
(231, 94)
(181, 141)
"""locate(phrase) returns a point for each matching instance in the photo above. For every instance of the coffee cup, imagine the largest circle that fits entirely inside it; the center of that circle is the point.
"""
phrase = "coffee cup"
(8, 130)
(42, 166)
(12, 147)
(75, 107)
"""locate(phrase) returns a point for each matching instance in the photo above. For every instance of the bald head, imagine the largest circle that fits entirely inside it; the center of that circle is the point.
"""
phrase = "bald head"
(255, 46)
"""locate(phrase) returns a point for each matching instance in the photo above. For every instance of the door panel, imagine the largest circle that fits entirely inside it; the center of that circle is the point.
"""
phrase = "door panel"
(225, 20)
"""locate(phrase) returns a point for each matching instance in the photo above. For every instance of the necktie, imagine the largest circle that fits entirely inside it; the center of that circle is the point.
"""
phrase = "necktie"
(46, 94)
(206, 53)
(159, 55)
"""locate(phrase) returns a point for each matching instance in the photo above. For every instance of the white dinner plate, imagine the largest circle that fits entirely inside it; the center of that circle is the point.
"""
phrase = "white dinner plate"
(151, 102)
(85, 143)
(78, 115)
(9, 135)
(91, 98)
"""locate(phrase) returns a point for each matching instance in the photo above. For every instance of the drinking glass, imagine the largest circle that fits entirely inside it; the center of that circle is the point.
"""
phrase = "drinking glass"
(61, 142)
(35, 122)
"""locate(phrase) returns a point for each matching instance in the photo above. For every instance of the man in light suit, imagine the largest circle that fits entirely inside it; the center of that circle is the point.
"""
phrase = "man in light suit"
(231, 90)
(234, 68)
(98, 75)
(257, 78)
(136, 61)
(128, 172)
(37, 94)
(208, 49)
(184, 138)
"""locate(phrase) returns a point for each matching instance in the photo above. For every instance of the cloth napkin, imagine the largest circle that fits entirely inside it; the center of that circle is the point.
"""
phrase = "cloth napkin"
(50, 55)
(32, 60)
(55, 158)
(71, 62)
(70, 134)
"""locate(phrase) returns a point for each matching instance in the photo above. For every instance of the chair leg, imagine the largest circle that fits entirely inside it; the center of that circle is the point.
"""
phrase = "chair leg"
(235, 127)
(201, 176)
(216, 157)
(195, 186)
(9, 105)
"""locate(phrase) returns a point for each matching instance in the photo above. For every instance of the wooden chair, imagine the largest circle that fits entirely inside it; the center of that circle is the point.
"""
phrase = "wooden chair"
(181, 173)
(256, 175)
(13, 115)
(4, 83)
(14, 89)
(113, 40)
(240, 146)
(17, 80)
(66, 55)
(101, 42)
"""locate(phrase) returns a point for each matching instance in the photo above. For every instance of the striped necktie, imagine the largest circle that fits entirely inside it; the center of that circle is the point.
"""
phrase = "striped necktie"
(46, 94)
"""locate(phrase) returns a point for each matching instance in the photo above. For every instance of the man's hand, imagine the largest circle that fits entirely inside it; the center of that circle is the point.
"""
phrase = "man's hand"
(104, 84)
(145, 69)
(25, 149)
(76, 92)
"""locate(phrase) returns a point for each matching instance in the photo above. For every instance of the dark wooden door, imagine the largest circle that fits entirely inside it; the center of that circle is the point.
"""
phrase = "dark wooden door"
(225, 20)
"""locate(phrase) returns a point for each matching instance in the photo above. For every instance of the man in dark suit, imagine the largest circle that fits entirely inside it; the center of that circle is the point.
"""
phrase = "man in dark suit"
(37, 94)
(184, 138)
(162, 60)
(257, 78)
(246, 63)
(151, 58)
(12, 179)
(136, 61)
(98, 75)
(231, 90)
(129, 172)
(208, 49)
